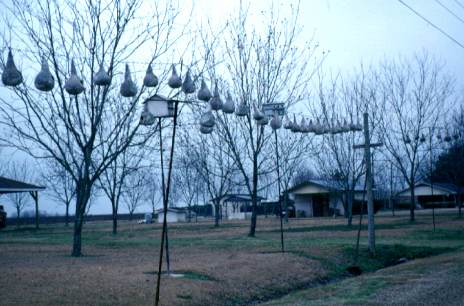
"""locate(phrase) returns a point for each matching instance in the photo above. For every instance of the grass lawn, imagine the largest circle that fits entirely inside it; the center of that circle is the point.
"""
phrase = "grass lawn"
(222, 266)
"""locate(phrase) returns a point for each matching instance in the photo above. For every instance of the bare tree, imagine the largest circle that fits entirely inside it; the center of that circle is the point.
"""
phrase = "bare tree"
(60, 186)
(416, 93)
(260, 67)
(135, 191)
(68, 128)
(19, 200)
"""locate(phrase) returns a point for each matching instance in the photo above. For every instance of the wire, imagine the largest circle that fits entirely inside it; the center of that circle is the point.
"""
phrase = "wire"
(449, 11)
(459, 3)
(430, 23)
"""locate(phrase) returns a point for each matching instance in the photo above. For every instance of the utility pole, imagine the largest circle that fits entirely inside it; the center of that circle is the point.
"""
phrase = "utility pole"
(370, 196)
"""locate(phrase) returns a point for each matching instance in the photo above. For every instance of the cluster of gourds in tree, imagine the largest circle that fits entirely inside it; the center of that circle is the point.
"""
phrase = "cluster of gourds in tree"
(45, 81)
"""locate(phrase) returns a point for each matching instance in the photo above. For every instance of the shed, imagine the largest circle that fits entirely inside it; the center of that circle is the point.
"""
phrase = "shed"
(433, 194)
(235, 206)
(174, 215)
(8, 185)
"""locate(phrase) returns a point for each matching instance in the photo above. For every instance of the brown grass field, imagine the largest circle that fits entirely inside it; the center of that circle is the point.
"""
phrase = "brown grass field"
(222, 266)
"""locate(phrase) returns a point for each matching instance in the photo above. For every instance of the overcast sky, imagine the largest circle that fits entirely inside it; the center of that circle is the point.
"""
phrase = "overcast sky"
(354, 31)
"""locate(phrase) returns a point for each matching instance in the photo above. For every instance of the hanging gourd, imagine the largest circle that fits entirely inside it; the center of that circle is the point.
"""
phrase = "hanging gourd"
(174, 81)
(242, 109)
(407, 139)
(150, 79)
(310, 126)
(216, 102)
(188, 86)
(44, 80)
(257, 114)
(447, 137)
(288, 123)
(73, 85)
(276, 122)
(422, 139)
(439, 136)
(206, 130)
(101, 78)
(128, 88)
(229, 105)
(11, 76)
(204, 94)
(207, 119)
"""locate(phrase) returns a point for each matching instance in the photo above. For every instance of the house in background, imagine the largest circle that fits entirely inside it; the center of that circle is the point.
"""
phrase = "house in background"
(174, 214)
(322, 198)
(432, 195)
(235, 206)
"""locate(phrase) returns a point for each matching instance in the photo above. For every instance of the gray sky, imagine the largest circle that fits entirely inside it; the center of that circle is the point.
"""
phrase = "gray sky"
(354, 31)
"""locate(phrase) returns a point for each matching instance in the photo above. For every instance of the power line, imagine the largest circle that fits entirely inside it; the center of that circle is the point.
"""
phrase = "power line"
(430, 23)
(449, 11)
(459, 3)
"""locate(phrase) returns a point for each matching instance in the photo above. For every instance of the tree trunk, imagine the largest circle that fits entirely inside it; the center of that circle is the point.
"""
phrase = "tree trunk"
(18, 213)
(216, 213)
(115, 223)
(66, 218)
(350, 207)
(254, 199)
(413, 204)
(83, 195)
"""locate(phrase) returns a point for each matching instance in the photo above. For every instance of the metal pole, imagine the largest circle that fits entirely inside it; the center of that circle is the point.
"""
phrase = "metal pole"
(165, 205)
(278, 183)
(391, 189)
(168, 264)
(370, 197)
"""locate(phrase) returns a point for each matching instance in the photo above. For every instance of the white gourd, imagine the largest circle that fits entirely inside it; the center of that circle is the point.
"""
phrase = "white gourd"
(229, 106)
(276, 122)
(174, 81)
(150, 79)
(207, 119)
(204, 94)
(128, 88)
(206, 130)
(242, 109)
(102, 78)
(257, 114)
(216, 102)
(188, 87)
(73, 85)
(44, 80)
(11, 76)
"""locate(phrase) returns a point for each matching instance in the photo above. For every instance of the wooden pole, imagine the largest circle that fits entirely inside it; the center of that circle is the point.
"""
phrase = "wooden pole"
(278, 198)
(370, 197)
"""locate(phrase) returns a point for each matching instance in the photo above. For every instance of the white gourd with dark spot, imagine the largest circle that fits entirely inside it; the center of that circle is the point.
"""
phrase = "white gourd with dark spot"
(44, 80)
(207, 119)
(257, 114)
(11, 76)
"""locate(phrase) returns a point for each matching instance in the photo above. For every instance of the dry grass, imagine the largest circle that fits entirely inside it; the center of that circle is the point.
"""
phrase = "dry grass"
(222, 266)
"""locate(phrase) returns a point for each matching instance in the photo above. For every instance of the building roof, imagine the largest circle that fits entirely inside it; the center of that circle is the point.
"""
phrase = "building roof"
(236, 197)
(177, 210)
(12, 186)
(330, 185)
(445, 187)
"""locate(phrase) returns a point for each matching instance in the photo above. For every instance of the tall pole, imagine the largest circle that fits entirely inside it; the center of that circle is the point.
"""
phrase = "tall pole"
(431, 180)
(165, 205)
(391, 190)
(278, 183)
(168, 264)
(370, 197)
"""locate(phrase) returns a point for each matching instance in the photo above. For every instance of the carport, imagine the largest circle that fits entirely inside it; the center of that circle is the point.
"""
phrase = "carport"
(12, 186)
